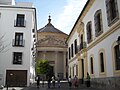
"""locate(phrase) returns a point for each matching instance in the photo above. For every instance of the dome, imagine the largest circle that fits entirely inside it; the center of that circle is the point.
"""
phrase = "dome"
(50, 28)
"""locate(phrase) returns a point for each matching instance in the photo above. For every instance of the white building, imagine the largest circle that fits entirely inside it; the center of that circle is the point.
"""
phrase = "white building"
(17, 34)
(99, 26)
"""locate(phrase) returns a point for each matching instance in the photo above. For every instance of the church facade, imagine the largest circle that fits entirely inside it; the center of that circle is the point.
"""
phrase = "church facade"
(51, 46)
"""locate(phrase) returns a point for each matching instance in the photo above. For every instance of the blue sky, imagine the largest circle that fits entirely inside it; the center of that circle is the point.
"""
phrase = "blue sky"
(63, 13)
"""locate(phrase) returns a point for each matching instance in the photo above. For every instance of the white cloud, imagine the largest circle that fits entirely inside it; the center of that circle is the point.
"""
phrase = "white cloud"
(69, 15)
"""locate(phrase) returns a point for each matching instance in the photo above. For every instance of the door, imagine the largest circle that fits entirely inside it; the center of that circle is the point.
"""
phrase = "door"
(82, 70)
(16, 78)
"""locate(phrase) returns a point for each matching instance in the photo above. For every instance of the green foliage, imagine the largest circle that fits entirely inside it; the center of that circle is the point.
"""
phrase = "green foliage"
(43, 67)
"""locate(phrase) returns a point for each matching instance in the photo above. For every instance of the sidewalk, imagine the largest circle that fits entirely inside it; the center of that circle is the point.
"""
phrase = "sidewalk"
(64, 86)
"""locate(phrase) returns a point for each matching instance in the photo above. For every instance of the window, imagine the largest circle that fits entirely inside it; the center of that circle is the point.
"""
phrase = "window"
(34, 36)
(73, 71)
(18, 39)
(17, 57)
(81, 38)
(82, 44)
(0, 14)
(20, 22)
(75, 46)
(89, 32)
(69, 52)
(91, 65)
(112, 11)
(98, 23)
(117, 57)
(76, 70)
(70, 71)
(72, 50)
(33, 30)
(101, 62)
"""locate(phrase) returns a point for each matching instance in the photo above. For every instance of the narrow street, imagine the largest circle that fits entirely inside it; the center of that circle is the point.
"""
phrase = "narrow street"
(64, 86)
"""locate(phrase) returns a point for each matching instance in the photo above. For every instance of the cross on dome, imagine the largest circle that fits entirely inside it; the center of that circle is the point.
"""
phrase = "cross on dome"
(49, 20)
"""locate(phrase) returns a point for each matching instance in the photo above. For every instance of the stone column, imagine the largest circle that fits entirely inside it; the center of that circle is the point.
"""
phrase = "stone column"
(85, 64)
(79, 68)
(55, 67)
(64, 62)
(78, 60)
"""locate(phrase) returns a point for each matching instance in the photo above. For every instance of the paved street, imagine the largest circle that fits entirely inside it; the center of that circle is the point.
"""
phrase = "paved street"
(64, 86)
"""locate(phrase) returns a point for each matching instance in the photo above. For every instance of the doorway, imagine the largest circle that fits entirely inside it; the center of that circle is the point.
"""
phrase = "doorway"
(82, 61)
(16, 78)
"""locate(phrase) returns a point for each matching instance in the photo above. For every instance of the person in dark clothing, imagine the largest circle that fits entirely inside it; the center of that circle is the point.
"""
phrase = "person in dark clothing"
(49, 81)
(88, 80)
(58, 79)
(70, 81)
(75, 81)
(38, 81)
(53, 81)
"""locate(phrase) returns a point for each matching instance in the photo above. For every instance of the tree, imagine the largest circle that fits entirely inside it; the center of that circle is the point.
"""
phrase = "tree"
(43, 67)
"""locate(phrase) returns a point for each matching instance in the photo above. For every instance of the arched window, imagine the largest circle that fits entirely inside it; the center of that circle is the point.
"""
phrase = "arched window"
(75, 46)
(0, 14)
(71, 50)
(91, 65)
(89, 31)
(101, 56)
(117, 57)
(76, 70)
(81, 42)
(73, 71)
(112, 11)
(70, 71)
(98, 23)
(69, 53)
(81, 38)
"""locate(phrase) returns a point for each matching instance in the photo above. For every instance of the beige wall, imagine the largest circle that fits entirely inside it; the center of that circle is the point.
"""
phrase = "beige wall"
(52, 47)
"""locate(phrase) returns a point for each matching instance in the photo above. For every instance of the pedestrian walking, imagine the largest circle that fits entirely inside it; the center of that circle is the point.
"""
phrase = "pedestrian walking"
(53, 81)
(49, 81)
(38, 81)
(88, 80)
(70, 81)
(58, 80)
(75, 81)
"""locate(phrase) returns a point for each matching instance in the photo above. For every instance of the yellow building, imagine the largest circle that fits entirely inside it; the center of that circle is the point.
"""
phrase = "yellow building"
(94, 44)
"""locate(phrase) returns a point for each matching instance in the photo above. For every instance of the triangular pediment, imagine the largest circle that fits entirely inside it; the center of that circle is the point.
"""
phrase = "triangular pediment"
(51, 41)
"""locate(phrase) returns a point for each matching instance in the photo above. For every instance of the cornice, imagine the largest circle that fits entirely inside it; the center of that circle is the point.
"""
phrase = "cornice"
(71, 60)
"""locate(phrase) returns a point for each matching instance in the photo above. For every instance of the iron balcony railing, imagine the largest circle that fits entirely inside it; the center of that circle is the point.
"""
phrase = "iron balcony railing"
(21, 23)
(18, 43)
(81, 46)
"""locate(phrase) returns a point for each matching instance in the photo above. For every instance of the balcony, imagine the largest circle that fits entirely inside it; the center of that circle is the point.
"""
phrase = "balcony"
(81, 46)
(21, 23)
(18, 43)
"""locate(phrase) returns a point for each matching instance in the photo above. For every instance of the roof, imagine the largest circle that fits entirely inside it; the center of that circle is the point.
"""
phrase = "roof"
(50, 28)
